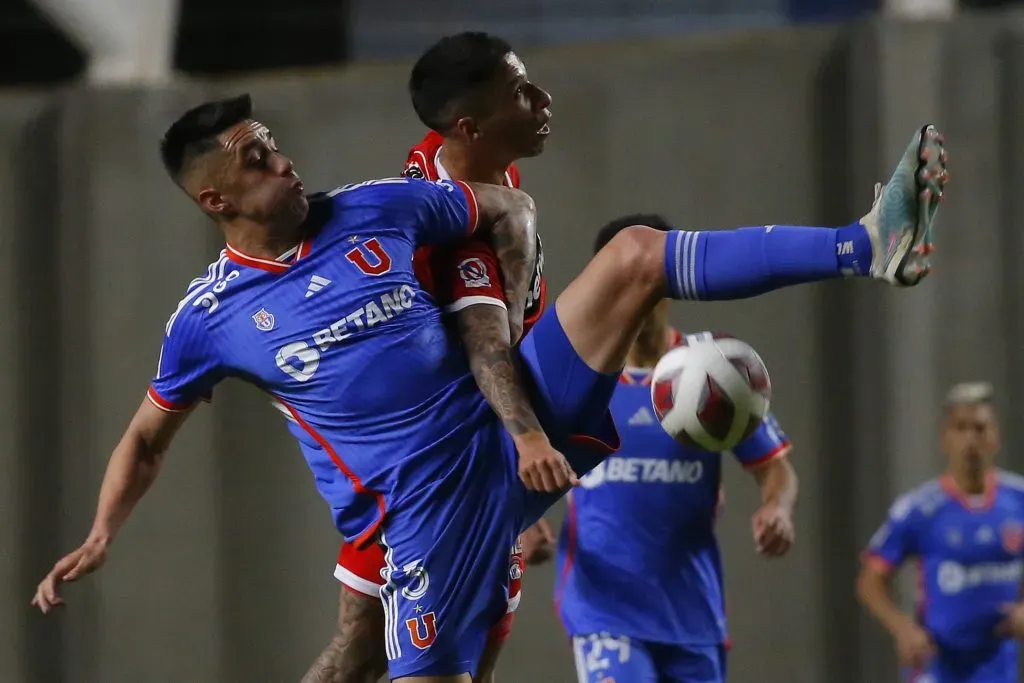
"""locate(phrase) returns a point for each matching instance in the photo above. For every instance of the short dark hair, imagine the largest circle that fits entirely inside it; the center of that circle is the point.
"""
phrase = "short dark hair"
(450, 69)
(613, 228)
(194, 133)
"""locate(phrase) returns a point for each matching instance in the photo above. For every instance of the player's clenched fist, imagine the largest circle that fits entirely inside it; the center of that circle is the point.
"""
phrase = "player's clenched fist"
(541, 467)
(85, 560)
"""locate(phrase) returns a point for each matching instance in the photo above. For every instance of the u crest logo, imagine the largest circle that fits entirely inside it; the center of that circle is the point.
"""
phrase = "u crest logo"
(370, 257)
(422, 630)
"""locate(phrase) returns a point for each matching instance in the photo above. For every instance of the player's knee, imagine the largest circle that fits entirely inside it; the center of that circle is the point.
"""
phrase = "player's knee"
(637, 254)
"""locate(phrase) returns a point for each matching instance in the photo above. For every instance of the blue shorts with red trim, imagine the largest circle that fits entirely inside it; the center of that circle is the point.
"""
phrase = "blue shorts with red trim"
(447, 545)
(571, 401)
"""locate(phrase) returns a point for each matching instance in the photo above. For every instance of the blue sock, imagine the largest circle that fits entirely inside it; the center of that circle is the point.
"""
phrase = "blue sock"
(746, 262)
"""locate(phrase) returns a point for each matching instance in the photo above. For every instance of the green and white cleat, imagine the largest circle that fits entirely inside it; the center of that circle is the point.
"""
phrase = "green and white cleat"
(901, 218)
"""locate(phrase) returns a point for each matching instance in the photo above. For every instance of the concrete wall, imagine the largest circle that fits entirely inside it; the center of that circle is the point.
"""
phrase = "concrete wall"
(224, 574)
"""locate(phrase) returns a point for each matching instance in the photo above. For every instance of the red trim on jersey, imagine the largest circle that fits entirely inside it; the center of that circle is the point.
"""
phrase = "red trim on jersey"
(950, 486)
(357, 483)
(474, 211)
(876, 561)
(163, 404)
(276, 267)
(780, 451)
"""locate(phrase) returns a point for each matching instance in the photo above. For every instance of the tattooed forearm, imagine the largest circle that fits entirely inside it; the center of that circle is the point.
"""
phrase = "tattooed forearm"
(356, 653)
(511, 219)
(485, 334)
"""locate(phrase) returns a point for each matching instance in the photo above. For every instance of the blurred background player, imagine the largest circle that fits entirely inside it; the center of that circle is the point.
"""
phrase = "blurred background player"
(966, 529)
(484, 113)
(640, 574)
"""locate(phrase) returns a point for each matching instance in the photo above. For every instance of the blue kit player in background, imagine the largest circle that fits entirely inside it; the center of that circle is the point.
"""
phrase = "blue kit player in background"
(640, 574)
(966, 532)
(402, 444)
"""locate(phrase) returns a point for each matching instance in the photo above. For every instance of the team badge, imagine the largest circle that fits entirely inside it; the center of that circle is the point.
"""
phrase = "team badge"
(413, 170)
(474, 273)
(1012, 535)
(954, 537)
(264, 320)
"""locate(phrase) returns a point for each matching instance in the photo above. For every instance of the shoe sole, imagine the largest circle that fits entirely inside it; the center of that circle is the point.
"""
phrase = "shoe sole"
(930, 177)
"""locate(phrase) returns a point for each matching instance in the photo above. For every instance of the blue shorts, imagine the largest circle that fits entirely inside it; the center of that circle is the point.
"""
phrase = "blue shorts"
(603, 658)
(447, 545)
(571, 401)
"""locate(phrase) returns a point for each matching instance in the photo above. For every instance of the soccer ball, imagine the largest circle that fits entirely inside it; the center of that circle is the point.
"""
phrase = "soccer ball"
(711, 392)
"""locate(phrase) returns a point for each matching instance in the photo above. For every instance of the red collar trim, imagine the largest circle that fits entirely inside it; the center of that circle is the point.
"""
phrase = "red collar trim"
(277, 266)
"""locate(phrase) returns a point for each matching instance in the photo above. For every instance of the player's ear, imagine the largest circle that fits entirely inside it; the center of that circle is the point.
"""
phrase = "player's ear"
(211, 201)
(467, 128)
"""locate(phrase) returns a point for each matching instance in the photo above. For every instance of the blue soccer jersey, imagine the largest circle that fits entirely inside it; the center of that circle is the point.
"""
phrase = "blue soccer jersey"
(969, 554)
(637, 555)
(345, 342)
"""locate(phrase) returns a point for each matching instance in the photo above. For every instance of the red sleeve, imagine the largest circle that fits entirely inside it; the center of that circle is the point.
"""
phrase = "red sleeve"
(415, 165)
(466, 276)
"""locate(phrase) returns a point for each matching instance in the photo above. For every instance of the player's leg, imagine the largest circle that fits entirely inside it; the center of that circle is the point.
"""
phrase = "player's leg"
(496, 640)
(601, 310)
(575, 352)
(501, 631)
(602, 657)
(356, 652)
(447, 565)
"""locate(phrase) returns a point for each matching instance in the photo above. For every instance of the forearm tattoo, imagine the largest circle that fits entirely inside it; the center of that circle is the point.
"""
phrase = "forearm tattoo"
(515, 244)
(485, 334)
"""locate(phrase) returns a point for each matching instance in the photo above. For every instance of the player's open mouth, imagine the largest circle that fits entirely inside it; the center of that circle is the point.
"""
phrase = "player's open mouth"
(298, 187)
(544, 130)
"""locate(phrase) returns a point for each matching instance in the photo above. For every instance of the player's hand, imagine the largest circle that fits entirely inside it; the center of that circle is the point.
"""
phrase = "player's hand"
(774, 533)
(913, 645)
(541, 467)
(85, 560)
(538, 543)
(1012, 625)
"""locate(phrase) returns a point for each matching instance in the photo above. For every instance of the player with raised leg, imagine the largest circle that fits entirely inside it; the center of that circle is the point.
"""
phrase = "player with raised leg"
(484, 114)
(407, 449)
(640, 588)
(966, 529)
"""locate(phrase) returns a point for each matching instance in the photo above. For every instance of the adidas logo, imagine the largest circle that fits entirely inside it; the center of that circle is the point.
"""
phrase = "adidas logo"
(316, 283)
(642, 418)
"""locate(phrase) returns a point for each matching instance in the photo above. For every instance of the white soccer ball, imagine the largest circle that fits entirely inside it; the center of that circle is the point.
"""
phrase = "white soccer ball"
(711, 392)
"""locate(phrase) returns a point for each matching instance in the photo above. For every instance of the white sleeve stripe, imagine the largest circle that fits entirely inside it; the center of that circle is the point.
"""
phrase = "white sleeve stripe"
(467, 301)
(357, 583)
(690, 265)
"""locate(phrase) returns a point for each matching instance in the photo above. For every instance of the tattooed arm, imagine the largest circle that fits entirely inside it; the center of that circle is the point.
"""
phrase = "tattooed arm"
(508, 221)
(485, 334)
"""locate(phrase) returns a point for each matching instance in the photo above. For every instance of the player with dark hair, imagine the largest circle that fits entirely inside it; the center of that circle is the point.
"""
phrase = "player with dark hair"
(406, 450)
(640, 588)
(484, 113)
(966, 529)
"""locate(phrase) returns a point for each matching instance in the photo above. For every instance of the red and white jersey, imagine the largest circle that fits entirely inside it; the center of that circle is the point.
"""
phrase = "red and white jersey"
(425, 162)
(469, 274)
